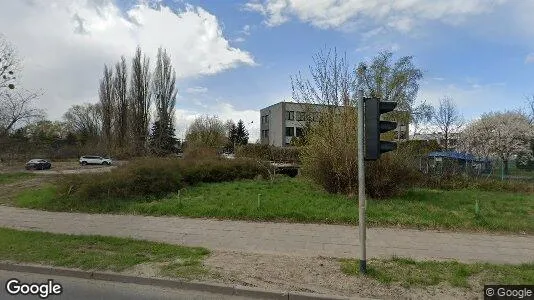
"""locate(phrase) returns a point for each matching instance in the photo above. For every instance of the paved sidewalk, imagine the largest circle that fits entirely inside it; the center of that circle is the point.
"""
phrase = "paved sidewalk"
(280, 238)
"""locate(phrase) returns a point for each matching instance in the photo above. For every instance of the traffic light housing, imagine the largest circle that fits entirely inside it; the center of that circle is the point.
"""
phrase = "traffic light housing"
(374, 147)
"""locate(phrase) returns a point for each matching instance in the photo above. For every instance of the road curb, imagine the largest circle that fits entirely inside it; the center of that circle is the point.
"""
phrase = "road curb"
(216, 288)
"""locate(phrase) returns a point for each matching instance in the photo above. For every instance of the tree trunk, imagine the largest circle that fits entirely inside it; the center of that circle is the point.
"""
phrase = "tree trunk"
(506, 170)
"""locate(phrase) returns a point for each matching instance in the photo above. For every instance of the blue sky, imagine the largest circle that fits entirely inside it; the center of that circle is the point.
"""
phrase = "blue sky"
(467, 61)
(236, 57)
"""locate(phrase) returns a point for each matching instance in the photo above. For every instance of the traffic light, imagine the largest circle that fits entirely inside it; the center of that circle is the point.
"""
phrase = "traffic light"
(374, 147)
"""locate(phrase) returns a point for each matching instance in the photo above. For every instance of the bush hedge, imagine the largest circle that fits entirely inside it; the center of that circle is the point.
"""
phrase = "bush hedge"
(483, 184)
(269, 153)
(156, 177)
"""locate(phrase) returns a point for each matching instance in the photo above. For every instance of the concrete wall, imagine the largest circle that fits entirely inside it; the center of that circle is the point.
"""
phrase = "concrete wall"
(275, 125)
(278, 123)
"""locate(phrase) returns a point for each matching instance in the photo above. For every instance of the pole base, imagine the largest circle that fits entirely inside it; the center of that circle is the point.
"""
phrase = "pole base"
(363, 266)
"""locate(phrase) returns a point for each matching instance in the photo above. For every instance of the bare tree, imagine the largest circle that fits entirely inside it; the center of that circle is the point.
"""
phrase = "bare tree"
(17, 107)
(331, 84)
(120, 90)
(329, 155)
(206, 131)
(447, 118)
(421, 118)
(9, 65)
(84, 120)
(394, 81)
(164, 92)
(106, 104)
(139, 101)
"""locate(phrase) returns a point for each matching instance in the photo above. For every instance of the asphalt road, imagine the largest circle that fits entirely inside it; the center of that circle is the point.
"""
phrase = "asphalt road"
(82, 289)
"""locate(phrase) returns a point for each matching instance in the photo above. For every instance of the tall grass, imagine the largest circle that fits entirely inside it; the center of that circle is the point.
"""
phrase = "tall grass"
(300, 200)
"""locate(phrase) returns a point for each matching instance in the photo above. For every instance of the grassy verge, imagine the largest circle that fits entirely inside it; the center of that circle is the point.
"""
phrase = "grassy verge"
(292, 199)
(6, 178)
(409, 273)
(99, 253)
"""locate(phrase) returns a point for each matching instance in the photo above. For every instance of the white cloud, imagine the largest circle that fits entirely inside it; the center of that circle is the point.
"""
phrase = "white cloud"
(529, 58)
(224, 111)
(246, 30)
(196, 90)
(242, 34)
(66, 44)
(401, 15)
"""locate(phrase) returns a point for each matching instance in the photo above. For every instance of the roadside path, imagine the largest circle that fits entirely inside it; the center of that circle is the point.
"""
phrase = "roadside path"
(280, 238)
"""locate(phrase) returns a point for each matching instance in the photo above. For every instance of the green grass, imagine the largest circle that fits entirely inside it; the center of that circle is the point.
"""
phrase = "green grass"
(6, 178)
(409, 273)
(298, 200)
(98, 253)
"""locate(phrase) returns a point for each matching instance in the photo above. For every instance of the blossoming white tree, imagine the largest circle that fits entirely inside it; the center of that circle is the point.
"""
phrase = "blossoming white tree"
(498, 134)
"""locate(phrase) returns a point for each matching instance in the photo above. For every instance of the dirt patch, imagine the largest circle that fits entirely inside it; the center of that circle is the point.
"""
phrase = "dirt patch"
(149, 269)
(321, 275)
(9, 191)
(316, 275)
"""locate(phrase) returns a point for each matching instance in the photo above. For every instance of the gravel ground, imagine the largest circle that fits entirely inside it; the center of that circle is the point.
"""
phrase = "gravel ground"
(61, 167)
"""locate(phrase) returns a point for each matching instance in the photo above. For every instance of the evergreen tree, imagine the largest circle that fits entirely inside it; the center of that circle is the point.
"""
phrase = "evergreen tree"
(162, 139)
(232, 136)
(241, 134)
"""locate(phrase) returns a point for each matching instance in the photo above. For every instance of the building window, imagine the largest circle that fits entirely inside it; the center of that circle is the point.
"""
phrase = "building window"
(290, 115)
(265, 119)
(314, 116)
(300, 116)
(265, 133)
(290, 131)
(299, 132)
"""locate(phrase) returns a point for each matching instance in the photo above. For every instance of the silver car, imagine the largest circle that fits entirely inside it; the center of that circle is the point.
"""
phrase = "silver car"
(95, 160)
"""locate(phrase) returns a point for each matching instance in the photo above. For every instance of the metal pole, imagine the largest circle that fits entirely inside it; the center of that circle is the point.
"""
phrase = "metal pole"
(361, 183)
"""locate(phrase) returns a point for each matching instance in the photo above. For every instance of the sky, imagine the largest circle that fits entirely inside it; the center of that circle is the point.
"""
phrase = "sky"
(233, 58)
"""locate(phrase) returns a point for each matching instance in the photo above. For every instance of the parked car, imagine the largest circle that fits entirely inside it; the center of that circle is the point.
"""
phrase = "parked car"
(95, 160)
(38, 164)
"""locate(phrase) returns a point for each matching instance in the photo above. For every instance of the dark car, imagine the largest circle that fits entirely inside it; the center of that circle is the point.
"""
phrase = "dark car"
(38, 164)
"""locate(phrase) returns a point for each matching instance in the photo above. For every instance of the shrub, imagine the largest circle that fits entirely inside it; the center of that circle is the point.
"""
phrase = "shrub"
(195, 153)
(156, 177)
(269, 153)
(419, 147)
(330, 159)
(392, 174)
(219, 170)
(142, 177)
(525, 161)
(483, 184)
